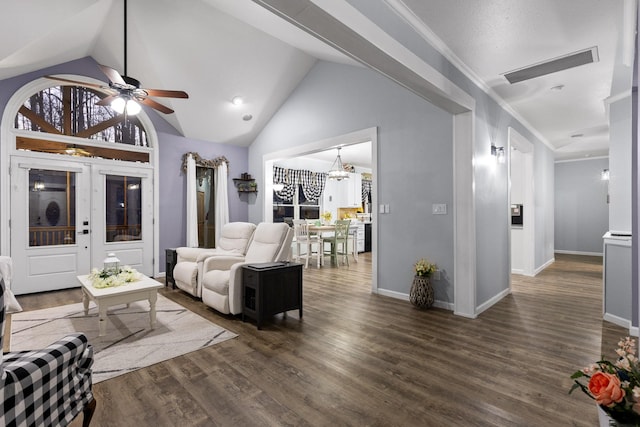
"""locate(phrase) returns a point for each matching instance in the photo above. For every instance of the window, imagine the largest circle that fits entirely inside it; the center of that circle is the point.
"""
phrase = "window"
(52, 210)
(74, 111)
(123, 208)
(297, 208)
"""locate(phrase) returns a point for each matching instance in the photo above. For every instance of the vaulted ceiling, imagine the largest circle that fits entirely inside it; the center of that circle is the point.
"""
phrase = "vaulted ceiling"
(218, 49)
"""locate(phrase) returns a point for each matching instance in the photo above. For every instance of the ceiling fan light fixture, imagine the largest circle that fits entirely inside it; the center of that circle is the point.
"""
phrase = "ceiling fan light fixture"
(337, 171)
(122, 104)
(133, 107)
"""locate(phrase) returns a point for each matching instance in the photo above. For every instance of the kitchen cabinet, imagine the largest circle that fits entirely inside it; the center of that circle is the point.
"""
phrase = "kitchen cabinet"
(354, 191)
(357, 230)
(342, 194)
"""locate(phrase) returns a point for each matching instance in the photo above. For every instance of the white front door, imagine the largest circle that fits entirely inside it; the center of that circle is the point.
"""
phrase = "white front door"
(67, 215)
(50, 224)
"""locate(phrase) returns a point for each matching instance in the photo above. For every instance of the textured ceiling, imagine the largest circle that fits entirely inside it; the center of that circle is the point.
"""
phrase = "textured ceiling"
(498, 36)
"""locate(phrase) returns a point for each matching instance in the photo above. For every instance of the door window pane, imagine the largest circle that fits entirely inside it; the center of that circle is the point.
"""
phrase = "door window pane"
(52, 207)
(123, 208)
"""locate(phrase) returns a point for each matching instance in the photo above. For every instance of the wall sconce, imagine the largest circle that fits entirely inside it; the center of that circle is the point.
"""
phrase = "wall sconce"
(498, 153)
(604, 175)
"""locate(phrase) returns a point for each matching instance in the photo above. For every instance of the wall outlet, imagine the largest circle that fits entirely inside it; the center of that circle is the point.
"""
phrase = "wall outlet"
(439, 209)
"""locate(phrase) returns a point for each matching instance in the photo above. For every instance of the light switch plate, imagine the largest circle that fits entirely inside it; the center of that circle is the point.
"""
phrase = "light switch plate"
(439, 209)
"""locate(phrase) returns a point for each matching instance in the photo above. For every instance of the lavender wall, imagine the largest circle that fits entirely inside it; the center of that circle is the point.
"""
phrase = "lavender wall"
(172, 183)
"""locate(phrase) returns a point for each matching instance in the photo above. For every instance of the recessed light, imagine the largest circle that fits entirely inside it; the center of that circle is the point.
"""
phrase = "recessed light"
(237, 100)
(247, 117)
(577, 135)
(557, 87)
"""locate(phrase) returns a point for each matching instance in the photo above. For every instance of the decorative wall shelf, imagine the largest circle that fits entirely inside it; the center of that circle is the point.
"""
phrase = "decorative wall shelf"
(245, 184)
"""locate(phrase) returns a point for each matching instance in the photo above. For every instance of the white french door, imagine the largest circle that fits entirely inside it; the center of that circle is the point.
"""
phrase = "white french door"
(122, 212)
(66, 215)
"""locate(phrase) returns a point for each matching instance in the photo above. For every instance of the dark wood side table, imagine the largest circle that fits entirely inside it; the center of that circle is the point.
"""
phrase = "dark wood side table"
(271, 288)
(171, 257)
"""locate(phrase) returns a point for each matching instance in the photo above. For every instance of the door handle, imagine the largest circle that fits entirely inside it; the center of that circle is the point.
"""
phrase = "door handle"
(83, 232)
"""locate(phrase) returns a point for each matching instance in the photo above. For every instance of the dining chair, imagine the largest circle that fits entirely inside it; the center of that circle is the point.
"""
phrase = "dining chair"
(308, 240)
(339, 242)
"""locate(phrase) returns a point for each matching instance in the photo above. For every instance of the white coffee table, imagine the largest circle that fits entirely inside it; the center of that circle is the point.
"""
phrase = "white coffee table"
(145, 288)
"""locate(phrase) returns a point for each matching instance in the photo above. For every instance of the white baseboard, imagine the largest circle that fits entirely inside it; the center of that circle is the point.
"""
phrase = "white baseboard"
(517, 271)
(543, 266)
(162, 274)
(393, 294)
(622, 322)
(405, 297)
(485, 305)
(558, 251)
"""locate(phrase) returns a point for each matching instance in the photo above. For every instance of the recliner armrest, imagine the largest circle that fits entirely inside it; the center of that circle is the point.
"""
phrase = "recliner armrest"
(206, 254)
(191, 254)
(224, 262)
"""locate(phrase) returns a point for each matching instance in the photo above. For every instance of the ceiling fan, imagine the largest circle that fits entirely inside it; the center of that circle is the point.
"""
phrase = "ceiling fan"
(124, 93)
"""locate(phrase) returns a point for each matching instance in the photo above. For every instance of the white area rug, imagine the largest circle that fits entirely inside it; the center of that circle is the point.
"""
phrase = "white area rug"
(129, 343)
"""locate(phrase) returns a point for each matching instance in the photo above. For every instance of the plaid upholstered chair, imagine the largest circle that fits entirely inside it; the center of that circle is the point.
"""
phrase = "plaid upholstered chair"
(48, 387)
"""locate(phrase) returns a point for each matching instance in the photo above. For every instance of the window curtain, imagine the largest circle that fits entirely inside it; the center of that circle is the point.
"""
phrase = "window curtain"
(312, 183)
(221, 208)
(281, 176)
(192, 203)
(220, 166)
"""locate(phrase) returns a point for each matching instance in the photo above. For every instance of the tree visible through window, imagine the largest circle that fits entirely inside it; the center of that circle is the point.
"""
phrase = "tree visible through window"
(73, 111)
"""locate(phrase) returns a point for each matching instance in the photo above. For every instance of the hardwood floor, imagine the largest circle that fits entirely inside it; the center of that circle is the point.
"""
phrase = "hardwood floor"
(362, 359)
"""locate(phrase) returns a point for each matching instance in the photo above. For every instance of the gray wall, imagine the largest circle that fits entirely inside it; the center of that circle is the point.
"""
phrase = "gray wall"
(172, 183)
(581, 209)
(491, 183)
(620, 164)
(414, 167)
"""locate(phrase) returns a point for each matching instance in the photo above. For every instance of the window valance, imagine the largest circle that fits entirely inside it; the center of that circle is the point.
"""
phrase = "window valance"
(206, 163)
(312, 183)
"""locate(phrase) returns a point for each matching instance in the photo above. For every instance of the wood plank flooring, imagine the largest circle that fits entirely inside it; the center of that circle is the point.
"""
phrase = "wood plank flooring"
(361, 359)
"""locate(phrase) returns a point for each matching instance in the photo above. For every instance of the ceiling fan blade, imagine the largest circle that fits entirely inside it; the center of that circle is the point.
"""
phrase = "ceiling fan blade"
(113, 75)
(75, 82)
(153, 104)
(107, 100)
(167, 93)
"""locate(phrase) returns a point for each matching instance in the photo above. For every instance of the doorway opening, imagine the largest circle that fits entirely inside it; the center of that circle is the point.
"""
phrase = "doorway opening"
(521, 205)
(328, 149)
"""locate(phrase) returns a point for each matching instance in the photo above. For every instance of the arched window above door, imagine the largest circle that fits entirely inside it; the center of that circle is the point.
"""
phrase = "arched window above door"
(74, 111)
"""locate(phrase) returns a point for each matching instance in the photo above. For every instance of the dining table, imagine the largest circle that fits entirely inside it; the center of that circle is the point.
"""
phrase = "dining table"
(331, 228)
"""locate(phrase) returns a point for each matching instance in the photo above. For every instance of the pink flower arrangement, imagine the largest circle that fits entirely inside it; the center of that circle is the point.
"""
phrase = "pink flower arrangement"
(614, 386)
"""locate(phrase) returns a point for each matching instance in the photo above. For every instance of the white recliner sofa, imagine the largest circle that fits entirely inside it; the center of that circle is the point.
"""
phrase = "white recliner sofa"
(234, 240)
(222, 275)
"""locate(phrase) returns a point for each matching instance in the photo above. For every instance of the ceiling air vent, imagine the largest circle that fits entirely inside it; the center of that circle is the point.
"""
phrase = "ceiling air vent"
(565, 62)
